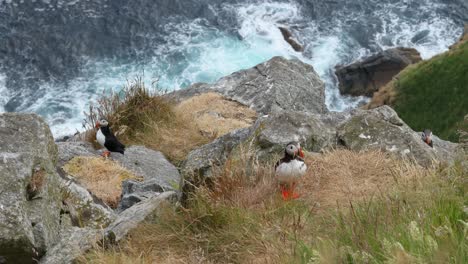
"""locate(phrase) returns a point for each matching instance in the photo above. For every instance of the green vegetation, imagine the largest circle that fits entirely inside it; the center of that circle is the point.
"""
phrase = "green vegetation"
(434, 93)
(420, 217)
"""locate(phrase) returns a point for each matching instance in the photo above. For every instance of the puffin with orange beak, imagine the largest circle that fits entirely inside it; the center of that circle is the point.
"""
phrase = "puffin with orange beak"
(107, 139)
(427, 137)
(290, 169)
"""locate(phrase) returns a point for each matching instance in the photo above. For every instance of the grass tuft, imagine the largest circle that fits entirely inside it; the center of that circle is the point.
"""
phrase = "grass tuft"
(100, 176)
(138, 116)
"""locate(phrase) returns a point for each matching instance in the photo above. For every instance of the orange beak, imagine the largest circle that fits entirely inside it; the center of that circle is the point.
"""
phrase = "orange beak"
(97, 124)
(300, 153)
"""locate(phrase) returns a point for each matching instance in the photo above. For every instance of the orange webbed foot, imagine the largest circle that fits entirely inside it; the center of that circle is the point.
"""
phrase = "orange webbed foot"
(106, 154)
(284, 192)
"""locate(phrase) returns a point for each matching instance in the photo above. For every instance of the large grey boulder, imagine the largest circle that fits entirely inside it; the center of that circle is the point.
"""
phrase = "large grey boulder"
(73, 244)
(367, 76)
(159, 175)
(381, 128)
(30, 197)
(149, 164)
(197, 167)
(70, 149)
(276, 85)
(315, 132)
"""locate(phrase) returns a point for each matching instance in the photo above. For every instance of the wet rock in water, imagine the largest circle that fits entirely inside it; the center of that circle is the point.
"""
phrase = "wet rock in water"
(365, 77)
(30, 198)
(288, 37)
(420, 36)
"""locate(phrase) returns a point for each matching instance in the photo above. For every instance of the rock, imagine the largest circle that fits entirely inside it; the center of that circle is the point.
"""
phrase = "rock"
(357, 130)
(30, 197)
(68, 150)
(133, 192)
(381, 128)
(367, 76)
(132, 217)
(268, 135)
(420, 36)
(315, 132)
(288, 37)
(85, 210)
(73, 244)
(77, 241)
(276, 85)
(159, 175)
(197, 166)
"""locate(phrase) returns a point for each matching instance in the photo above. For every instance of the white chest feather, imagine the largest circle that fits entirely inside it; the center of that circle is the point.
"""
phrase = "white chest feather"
(290, 171)
(101, 139)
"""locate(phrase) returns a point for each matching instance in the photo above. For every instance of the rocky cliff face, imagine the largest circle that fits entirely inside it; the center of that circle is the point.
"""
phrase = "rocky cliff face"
(357, 130)
(29, 194)
(46, 213)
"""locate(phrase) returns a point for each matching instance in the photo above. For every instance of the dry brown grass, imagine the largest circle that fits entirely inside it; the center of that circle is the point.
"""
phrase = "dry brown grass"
(100, 176)
(386, 95)
(38, 179)
(215, 115)
(241, 218)
(341, 176)
(138, 116)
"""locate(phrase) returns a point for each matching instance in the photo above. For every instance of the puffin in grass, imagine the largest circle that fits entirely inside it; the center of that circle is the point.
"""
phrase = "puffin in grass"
(290, 169)
(107, 139)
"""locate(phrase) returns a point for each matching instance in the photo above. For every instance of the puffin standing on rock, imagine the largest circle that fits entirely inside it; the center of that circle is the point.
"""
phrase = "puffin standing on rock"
(107, 139)
(289, 169)
(427, 137)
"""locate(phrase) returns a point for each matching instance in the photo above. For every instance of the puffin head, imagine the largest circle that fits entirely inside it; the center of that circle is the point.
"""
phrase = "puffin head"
(427, 136)
(101, 123)
(294, 149)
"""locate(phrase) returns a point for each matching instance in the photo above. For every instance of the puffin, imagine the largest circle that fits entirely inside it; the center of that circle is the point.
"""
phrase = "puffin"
(290, 169)
(427, 137)
(107, 139)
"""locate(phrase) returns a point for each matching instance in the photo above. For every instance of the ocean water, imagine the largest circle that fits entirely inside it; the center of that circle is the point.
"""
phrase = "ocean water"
(58, 56)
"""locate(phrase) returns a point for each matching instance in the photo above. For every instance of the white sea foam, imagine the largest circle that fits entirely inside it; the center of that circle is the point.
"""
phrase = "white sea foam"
(4, 93)
(397, 31)
(196, 52)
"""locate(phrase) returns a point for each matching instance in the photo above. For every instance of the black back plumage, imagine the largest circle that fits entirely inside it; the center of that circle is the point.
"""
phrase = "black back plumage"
(287, 158)
(112, 143)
